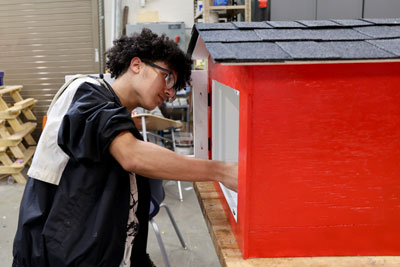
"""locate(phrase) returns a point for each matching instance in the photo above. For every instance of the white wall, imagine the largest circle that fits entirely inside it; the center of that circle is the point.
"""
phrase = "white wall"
(168, 11)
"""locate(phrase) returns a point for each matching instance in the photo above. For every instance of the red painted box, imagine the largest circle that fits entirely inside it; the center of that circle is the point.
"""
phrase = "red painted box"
(311, 112)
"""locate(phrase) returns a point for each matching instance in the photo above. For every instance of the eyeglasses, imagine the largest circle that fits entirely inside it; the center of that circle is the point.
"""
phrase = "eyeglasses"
(169, 78)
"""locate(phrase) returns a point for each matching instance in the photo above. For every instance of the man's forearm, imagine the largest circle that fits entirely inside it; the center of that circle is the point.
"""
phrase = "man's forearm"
(153, 161)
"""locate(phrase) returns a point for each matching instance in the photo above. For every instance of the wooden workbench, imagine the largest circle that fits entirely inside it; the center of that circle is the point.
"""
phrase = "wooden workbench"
(156, 123)
(230, 256)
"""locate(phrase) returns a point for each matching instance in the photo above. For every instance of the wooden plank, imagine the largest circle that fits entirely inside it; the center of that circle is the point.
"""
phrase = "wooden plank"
(17, 151)
(26, 106)
(229, 253)
(22, 104)
(15, 125)
(9, 143)
(28, 128)
(248, 10)
(29, 139)
(10, 88)
(22, 147)
(10, 113)
(29, 114)
(16, 96)
(3, 130)
(4, 158)
(10, 169)
(19, 178)
(3, 104)
(156, 123)
(18, 165)
(27, 156)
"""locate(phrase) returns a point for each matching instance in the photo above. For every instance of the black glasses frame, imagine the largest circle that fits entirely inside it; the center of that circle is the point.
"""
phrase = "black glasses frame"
(163, 69)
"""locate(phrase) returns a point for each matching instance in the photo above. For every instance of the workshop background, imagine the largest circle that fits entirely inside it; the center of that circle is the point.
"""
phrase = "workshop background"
(42, 41)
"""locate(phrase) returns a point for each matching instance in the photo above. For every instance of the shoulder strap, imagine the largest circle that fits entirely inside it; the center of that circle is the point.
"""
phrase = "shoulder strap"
(66, 84)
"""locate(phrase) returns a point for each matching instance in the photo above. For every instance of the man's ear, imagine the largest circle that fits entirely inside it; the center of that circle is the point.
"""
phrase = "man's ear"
(136, 65)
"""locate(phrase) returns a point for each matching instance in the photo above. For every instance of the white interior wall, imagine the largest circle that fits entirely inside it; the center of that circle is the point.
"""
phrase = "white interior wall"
(168, 11)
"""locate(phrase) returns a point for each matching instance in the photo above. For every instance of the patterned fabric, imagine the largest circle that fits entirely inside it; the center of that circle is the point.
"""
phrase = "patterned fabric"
(133, 223)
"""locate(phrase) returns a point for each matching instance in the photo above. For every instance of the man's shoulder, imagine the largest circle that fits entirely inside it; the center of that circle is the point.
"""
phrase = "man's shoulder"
(93, 88)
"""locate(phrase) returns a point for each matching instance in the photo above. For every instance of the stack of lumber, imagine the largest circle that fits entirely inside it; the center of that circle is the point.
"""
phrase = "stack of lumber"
(17, 146)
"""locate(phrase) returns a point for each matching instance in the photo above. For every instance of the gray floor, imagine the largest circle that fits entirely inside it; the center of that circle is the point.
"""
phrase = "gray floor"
(200, 252)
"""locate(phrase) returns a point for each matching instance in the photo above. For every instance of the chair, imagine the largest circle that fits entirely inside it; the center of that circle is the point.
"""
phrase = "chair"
(156, 203)
(156, 123)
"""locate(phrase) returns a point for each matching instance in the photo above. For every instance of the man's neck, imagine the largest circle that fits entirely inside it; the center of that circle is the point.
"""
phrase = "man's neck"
(124, 92)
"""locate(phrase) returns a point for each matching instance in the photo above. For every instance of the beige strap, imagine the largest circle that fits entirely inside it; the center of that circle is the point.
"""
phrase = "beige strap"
(65, 86)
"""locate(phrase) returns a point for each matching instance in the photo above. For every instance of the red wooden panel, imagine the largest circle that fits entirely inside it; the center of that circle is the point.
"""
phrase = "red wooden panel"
(237, 77)
(326, 155)
(319, 153)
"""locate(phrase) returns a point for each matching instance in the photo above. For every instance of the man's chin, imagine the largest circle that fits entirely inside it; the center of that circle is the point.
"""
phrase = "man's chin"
(152, 106)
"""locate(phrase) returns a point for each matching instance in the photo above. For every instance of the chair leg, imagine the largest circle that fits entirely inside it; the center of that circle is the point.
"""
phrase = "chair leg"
(179, 182)
(175, 225)
(160, 243)
(180, 191)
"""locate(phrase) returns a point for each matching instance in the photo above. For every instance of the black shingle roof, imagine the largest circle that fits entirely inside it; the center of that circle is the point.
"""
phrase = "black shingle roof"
(392, 45)
(286, 24)
(273, 41)
(319, 23)
(229, 36)
(252, 25)
(380, 31)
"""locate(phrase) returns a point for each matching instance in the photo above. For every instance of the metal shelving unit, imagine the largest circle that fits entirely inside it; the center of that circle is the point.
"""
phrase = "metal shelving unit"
(231, 10)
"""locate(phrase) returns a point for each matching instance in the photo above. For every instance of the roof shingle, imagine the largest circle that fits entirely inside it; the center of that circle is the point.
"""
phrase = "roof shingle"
(220, 51)
(356, 50)
(300, 40)
(257, 51)
(318, 23)
(229, 36)
(380, 31)
(285, 24)
(392, 21)
(215, 26)
(390, 45)
(352, 22)
(307, 50)
(252, 25)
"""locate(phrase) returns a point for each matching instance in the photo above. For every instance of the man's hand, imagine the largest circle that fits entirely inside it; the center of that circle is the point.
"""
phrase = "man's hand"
(230, 178)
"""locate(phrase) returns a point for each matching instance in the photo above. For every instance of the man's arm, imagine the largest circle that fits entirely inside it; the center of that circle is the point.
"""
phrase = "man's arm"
(153, 161)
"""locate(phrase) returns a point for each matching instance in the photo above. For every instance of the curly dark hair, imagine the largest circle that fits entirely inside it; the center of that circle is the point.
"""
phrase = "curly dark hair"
(151, 47)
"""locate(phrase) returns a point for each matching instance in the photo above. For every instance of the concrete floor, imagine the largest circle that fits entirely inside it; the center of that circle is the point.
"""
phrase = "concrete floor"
(200, 252)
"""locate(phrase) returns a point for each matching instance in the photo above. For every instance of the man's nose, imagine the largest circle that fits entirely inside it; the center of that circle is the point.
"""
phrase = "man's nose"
(170, 92)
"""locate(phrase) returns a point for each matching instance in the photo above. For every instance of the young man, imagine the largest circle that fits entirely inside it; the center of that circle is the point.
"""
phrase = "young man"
(86, 201)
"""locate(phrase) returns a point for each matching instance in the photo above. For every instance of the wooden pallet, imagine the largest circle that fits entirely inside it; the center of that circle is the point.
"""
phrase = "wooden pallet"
(14, 155)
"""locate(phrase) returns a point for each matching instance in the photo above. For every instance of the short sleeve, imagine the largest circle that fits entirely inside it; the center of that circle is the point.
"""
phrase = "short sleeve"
(94, 118)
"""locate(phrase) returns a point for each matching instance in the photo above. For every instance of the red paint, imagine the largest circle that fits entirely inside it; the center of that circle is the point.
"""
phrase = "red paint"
(237, 77)
(319, 153)
(262, 3)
